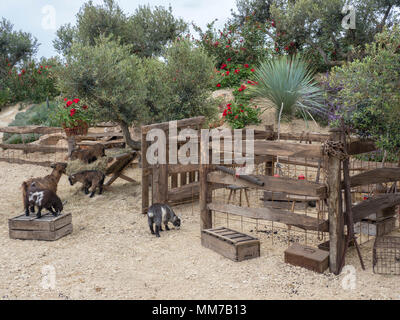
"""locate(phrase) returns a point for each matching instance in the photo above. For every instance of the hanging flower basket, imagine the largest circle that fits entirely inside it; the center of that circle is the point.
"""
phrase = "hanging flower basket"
(80, 130)
(74, 117)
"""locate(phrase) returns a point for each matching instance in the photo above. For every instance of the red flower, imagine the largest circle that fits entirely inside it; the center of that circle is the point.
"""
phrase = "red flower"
(23, 71)
(65, 99)
(218, 85)
(273, 24)
(229, 104)
(237, 71)
(84, 107)
(216, 43)
(72, 112)
(229, 59)
(40, 72)
(76, 100)
(236, 117)
(252, 70)
(227, 46)
(246, 65)
(227, 73)
(223, 66)
(287, 48)
(69, 103)
(277, 49)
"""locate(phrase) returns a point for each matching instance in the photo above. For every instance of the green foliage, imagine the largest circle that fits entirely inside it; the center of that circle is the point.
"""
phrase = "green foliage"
(15, 47)
(238, 116)
(147, 31)
(230, 75)
(108, 79)
(32, 81)
(258, 9)
(289, 84)
(72, 113)
(315, 27)
(188, 77)
(242, 43)
(368, 95)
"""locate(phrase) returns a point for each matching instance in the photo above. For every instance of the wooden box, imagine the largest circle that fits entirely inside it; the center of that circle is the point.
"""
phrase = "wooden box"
(383, 214)
(48, 227)
(307, 257)
(375, 228)
(231, 244)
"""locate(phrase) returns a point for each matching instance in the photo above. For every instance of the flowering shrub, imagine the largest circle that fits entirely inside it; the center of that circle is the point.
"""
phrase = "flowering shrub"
(33, 82)
(239, 116)
(240, 42)
(231, 75)
(72, 113)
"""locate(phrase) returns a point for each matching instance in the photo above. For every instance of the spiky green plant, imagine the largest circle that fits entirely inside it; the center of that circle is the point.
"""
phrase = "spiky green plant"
(289, 84)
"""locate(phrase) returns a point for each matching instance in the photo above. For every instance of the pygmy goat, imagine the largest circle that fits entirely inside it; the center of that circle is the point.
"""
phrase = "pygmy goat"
(48, 182)
(90, 179)
(44, 199)
(162, 214)
(89, 155)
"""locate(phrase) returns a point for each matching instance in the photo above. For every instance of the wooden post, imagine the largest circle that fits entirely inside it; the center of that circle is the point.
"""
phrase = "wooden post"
(71, 145)
(205, 192)
(145, 176)
(336, 217)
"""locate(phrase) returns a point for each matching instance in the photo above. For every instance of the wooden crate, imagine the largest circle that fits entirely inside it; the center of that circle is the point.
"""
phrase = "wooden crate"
(231, 244)
(48, 227)
(383, 214)
(375, 228)
(313, 259)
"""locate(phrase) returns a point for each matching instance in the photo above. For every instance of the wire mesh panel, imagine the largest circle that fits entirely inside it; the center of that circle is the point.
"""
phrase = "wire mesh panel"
(386, 259)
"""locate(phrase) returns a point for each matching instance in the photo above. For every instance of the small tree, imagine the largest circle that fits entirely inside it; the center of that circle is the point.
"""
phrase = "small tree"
(147, 31)
(109, 80)
(367, 91)
(15, 47)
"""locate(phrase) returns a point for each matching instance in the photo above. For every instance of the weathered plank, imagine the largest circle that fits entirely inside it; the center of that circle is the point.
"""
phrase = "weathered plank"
(303, 136)
(270, 214)
(361, 146)
(30, 162)
(374, 204)
(31, 129)
(180, 123)
(33, 148)
(286, 149)
(380, 175)
(296, 187)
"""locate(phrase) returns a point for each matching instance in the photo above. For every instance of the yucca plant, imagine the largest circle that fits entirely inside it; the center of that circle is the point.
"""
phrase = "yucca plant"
(289, 84)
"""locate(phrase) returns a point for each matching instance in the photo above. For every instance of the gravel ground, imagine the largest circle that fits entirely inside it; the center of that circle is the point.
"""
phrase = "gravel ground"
(112, 255)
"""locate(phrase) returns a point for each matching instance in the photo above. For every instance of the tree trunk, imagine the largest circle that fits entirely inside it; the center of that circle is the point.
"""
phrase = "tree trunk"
(135, 145)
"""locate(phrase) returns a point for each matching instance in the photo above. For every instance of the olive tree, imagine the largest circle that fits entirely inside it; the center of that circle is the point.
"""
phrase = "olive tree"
(110, 80)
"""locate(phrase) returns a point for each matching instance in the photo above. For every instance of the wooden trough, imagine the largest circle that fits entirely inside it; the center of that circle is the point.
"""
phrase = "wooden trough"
(47, 228)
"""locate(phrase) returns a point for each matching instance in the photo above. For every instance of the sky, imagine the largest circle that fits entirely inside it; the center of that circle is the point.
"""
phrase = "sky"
(43, 17)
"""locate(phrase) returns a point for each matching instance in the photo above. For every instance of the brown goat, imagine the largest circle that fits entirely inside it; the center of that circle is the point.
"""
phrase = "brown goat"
(48, 182)
(88, 155)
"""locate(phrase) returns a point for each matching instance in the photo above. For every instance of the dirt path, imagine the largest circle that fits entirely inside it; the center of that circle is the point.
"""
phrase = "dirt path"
(111, 254)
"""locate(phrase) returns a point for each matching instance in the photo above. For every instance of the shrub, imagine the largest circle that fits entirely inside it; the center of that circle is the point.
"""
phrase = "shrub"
(189, 74)
(72, 113)
(367, 92)
(239, 116)
(32, 82)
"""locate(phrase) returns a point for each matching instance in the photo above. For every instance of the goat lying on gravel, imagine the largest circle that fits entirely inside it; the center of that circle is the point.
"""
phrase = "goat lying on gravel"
(46, 199)
(89, 155)
(90, 179)
(48, 182)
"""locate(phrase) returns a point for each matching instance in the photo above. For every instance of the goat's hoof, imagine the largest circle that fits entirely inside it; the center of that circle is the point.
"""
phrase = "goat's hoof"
(157, 235)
